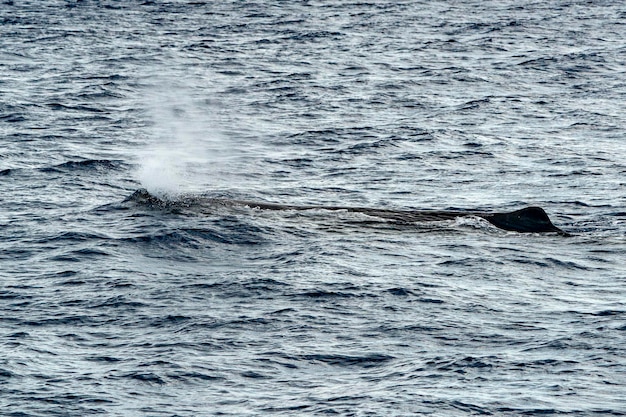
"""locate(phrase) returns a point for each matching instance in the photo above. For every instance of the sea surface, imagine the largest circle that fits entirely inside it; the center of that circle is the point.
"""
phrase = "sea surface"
(112, 306)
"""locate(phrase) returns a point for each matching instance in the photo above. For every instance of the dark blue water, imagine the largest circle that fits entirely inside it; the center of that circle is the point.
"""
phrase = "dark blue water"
(122, 308)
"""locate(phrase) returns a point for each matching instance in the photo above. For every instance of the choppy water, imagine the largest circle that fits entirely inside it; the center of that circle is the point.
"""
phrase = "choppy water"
(116, 307)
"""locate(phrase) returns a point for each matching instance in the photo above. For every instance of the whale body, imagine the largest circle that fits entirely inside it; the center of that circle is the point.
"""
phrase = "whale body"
(525, 220)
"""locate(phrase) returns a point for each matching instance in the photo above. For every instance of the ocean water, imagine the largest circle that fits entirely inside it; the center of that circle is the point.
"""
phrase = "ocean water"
(113, 306)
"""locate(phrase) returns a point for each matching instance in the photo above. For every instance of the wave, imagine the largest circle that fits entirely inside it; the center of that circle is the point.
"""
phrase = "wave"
(364, 361)
(87, 165)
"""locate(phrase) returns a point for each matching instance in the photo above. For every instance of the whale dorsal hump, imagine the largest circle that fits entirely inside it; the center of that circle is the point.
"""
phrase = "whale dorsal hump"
(526, 220)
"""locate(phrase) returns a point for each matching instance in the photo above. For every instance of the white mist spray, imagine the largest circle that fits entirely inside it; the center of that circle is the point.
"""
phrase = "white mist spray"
(183, 148)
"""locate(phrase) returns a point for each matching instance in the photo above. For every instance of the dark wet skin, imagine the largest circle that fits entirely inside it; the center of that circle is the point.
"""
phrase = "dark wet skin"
(526, 220)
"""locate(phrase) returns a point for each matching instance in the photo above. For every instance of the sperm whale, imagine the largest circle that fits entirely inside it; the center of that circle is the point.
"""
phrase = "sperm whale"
(525, 220)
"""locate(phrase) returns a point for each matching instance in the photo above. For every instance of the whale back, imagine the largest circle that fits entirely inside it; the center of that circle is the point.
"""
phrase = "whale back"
(526, 220)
